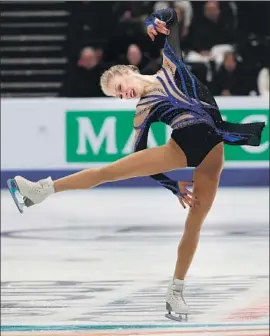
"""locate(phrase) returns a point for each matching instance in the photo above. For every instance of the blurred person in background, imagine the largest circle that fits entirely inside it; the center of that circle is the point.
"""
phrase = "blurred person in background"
(228, 81)
(135, 56)
(130, 18)
(184, 12)
(175, 97)
(211, 30)
(83, 79)
(90, 22)
(263, 81)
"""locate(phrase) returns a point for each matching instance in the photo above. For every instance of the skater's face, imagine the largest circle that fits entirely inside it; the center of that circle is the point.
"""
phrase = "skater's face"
(125, 86)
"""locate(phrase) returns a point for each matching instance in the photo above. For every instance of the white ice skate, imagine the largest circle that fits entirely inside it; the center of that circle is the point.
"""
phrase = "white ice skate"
(26, 193)
(175, 302)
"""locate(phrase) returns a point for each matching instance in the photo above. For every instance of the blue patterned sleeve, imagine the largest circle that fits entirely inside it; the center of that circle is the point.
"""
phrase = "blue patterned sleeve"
(141, 144)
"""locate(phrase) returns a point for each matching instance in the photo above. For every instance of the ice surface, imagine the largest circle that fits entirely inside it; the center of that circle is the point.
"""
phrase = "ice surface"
(104, 257)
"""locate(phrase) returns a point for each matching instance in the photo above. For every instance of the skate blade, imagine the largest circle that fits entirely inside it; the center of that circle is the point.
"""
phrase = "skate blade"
(179, 318)
(17, 197)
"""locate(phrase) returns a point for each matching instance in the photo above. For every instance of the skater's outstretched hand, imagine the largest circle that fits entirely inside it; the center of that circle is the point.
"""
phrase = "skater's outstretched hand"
(158, 27)
(187, 197)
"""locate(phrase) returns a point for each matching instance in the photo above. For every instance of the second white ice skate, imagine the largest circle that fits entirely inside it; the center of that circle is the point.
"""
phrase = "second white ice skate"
(175, 302)
(26, 193)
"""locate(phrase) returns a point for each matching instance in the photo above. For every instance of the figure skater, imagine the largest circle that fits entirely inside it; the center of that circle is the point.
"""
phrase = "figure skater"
(175, 97)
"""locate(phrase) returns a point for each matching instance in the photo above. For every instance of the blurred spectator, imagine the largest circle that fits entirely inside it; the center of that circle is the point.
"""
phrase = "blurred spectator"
(133, 11)
(90, 23)
(134, 56)
(211, 30)
(228, 80)
(83, 79)
(105, 64)
(130, 23)
(161, 5)
(184, 13)
(263, 82)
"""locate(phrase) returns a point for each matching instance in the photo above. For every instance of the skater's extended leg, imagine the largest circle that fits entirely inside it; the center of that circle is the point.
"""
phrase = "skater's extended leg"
(144, 163)
(206, 180)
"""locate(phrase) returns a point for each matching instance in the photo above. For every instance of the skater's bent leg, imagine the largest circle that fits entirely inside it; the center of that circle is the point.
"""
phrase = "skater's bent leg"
(206, 180)
(144, 163)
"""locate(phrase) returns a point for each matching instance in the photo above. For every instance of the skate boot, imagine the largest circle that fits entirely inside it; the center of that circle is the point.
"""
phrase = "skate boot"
(26, 193)
(175, 301)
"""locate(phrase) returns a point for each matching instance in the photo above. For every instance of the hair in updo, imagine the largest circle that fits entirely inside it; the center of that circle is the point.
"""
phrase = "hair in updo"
(112, 71)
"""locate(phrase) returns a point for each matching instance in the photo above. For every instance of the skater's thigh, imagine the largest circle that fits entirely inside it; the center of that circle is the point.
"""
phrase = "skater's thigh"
(149, 162)
(206, 181)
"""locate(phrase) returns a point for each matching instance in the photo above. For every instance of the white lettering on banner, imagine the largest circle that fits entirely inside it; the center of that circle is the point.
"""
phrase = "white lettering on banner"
(151, 139)
(263, 146)
(35, 113)
(87, 134)
(168, 133)
(129, 146)
(224, 118)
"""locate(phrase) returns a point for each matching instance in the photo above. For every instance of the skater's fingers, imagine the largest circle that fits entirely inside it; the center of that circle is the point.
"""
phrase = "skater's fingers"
(192, 196)
(182, 203)
(152, 36)
(188, 200)
(160, 23)
(190, 193)
(151, 32)
(163, 30)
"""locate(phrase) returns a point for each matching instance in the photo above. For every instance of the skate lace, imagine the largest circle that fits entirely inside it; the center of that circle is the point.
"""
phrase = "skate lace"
(177, 293)
(42, 184)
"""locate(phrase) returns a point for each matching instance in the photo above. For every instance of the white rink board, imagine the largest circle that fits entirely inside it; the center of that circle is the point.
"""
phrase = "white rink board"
(37, 127)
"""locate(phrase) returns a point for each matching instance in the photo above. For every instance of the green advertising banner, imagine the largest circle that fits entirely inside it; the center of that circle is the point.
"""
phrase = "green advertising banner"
(105, 136)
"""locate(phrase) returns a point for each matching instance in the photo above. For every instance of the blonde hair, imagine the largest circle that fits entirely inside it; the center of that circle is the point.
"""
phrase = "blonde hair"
(112, 71)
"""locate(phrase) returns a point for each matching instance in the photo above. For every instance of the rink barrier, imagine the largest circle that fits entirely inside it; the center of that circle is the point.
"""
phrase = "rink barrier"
(59, 136)
(231, 177)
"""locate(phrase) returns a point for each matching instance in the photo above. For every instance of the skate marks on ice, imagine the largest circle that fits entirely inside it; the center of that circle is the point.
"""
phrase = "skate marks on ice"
(226, 299)
(54, 271)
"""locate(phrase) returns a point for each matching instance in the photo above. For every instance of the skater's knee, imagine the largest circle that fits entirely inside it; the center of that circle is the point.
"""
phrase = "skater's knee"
(196, 217)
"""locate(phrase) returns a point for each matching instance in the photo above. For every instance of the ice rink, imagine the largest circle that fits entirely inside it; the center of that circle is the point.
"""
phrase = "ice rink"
(98, 263)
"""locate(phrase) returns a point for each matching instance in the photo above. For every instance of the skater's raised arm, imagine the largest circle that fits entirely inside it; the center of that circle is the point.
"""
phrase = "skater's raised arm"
(165, 22)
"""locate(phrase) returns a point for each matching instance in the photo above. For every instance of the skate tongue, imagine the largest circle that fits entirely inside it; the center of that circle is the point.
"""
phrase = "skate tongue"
(46, 182)
(179, 283)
